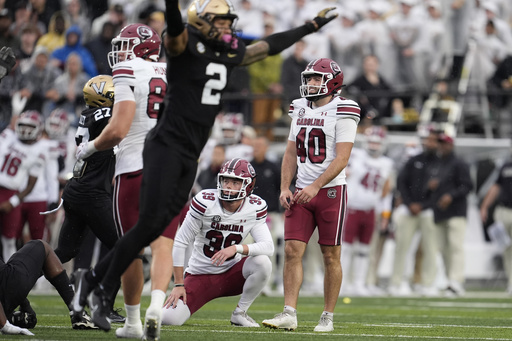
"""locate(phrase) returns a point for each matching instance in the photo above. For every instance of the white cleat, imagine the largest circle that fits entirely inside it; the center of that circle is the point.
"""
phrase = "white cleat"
(152, 324)
(241, 319)
(283, 320)
(130, 331)
(324, 325)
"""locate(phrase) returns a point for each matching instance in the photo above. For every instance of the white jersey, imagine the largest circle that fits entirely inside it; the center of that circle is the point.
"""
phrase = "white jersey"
(316, 132)
(47, 185)
(149, 83)
(366, 178)
(211, 229)
(18, 161)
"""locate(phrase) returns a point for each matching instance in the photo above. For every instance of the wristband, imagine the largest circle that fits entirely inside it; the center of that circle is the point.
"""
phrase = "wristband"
(239, 248)
(179, 285)
(14, 200)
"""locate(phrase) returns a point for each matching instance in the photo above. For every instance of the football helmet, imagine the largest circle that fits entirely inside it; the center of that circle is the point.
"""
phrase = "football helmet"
(99, 91)
(332, 79)
(29, 126)
(57, 124)
(202, 14)
(228, 128)
(237, 169)
(135, 40)
(374, 141)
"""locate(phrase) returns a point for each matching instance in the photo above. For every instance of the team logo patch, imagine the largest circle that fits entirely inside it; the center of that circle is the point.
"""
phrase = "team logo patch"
(144, 32)
(216, 218)
(331, 193)
(335, 67)
(200, 47)
(302, 112)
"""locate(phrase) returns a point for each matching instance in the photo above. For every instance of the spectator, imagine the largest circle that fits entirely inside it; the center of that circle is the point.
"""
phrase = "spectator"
(37, 82)
(22, 19)
(450, 190)
(56, 35)
(74, 45)
(99, 47)
(501, 194)
(77, 14)
(29, 36)
(6, 36)
(290, 72)
(415, 214)
(208, 177)
(66, 92)
(115, 15)
(43, 10)
(265, 76)
(11, 77)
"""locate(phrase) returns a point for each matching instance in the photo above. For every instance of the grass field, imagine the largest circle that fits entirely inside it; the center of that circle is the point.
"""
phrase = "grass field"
(478, 316)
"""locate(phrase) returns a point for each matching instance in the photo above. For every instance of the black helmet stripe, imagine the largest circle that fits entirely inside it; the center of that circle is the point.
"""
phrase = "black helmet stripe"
(232, 165)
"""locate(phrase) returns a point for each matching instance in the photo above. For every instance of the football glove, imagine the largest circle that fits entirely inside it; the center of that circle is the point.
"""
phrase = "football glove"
(322, 19)
(24, 319)
(85, 149)
(7, 61)
(9, 329)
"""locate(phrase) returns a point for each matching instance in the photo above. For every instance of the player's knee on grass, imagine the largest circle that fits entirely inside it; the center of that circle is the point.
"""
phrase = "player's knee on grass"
(175, 316)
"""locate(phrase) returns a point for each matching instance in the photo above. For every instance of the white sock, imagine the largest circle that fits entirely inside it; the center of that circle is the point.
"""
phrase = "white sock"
(290, 309)
(157, 299)
(329, 315)
(238, 310)
(9, 247)
(132, 314)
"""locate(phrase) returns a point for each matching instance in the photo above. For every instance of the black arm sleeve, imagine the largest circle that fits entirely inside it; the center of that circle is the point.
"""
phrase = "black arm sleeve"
(174, 20)
(279, 41)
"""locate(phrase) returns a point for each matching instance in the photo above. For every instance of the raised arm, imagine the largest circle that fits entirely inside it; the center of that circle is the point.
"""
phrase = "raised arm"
(175, 37)
(275, 43)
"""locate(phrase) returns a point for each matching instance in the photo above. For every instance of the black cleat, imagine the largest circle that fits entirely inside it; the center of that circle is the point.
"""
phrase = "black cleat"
(81, 321)
(114, 316)
(82, 289)
(100, 308)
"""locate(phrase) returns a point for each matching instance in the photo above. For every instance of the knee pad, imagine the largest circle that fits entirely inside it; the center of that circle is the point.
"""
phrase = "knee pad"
(175, 316)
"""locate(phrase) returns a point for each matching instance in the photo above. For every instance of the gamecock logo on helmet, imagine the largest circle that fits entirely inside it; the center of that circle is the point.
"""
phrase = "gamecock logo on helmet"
(144, 32)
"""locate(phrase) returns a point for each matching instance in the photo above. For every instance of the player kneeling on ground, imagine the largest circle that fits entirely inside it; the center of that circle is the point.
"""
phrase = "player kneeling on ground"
(216, 224)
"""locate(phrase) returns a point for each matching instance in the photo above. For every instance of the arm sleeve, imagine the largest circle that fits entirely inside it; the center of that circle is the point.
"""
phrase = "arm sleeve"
(280, 41)
(346, 130)
(174, 20)
(184, 237)
(263, 244)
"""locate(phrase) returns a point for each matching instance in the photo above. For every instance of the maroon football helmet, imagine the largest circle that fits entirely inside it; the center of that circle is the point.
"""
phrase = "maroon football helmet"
(57, 124)
(332, 79)
(135, 40)
(374, 142)
(237, 169)
(29, 126)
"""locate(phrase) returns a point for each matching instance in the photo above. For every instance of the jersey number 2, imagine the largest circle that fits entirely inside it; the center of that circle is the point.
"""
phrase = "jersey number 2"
(217, 85)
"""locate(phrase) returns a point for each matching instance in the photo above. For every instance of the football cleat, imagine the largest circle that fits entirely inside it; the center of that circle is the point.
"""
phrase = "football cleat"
(82, 289)
(114, 316)
(152, 324)
(129, 331)
(81, 321)
(324, 325)
(284, 320)
(100, 308)
(241, 319)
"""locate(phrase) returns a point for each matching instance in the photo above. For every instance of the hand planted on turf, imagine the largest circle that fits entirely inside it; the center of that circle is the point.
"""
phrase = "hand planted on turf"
(9, 329)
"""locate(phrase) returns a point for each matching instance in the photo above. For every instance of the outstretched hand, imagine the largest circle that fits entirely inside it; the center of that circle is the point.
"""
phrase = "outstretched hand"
(322, 19)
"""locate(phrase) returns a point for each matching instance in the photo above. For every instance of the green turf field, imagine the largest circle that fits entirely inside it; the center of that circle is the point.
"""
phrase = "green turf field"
(478, 316)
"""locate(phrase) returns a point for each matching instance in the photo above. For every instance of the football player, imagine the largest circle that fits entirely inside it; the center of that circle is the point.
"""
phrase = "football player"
(322, 134)
(201, 56)
(140, 84)
(87, 196)
(21, 162)
(369, 179)
(216, 225)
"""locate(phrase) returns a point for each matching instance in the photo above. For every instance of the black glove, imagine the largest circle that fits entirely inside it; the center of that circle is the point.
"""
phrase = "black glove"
(322, 19)
(7, 61)
(24, 319)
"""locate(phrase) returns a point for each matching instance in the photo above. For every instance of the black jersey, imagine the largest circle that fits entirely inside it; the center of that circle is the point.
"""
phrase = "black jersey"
(505, 182)
(197, 78)
(93, 176)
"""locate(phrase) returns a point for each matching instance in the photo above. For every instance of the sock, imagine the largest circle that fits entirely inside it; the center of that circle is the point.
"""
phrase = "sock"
(329, 315)
(63, 286)
(290, 309)
(157, 299)
(132, 314)
(8, 247)
(238, 310)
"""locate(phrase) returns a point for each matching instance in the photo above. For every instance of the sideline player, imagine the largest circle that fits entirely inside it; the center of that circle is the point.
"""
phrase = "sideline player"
(322, 135)
(217, 223)
(201, 57)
